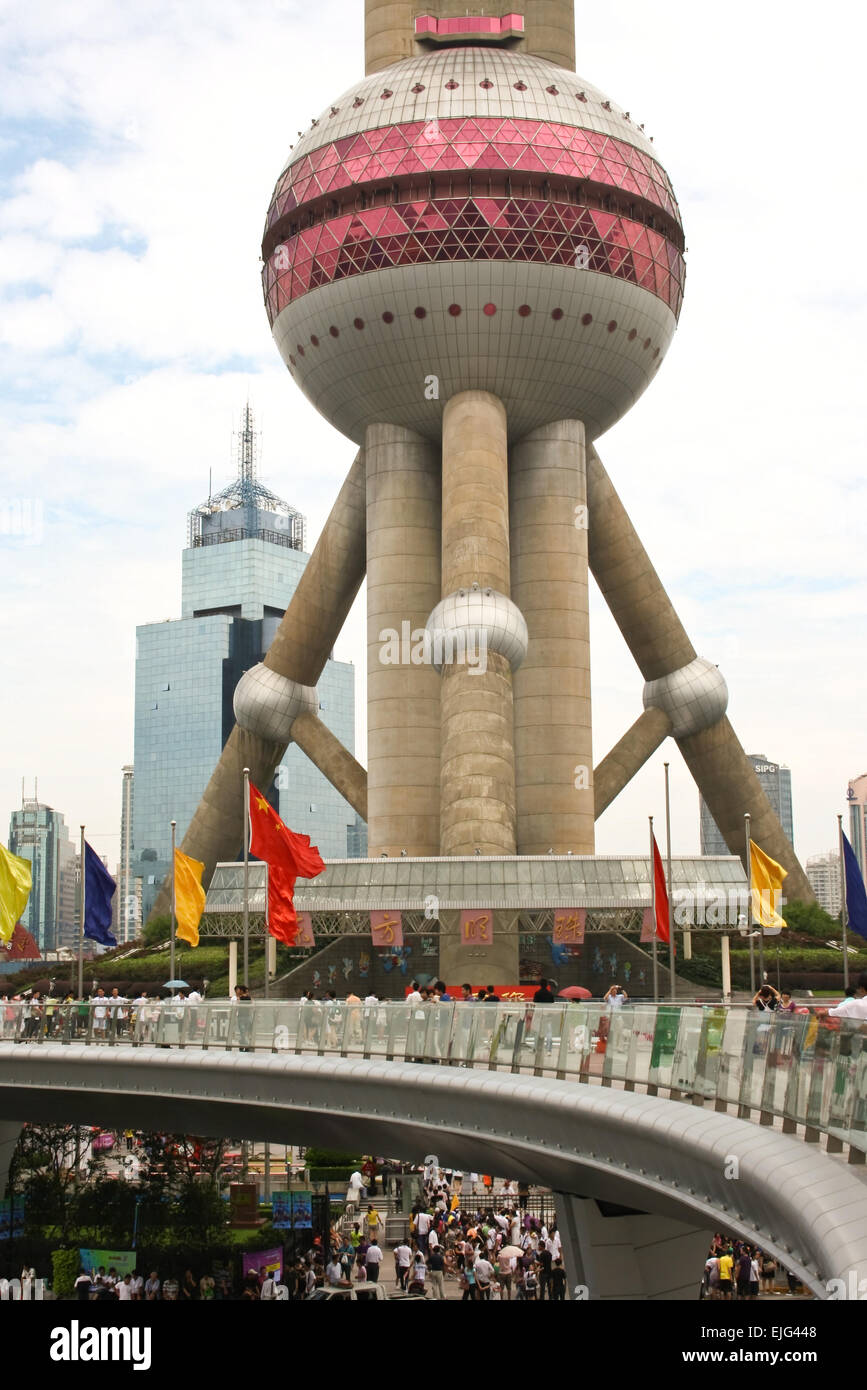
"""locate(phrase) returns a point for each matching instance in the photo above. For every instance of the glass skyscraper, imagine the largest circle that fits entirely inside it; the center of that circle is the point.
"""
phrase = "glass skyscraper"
(37, 832)
(856, 794)
(243, 561)
(776, 782)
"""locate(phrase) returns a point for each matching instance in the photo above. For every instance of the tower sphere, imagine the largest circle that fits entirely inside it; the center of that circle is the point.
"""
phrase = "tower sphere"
(473, 218)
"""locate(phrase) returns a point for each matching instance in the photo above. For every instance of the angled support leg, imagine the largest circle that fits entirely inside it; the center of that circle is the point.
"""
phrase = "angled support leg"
(335, 762)
(689, 690)
(628, 756)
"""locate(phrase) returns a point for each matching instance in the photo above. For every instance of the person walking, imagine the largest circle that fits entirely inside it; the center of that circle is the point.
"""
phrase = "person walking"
(402, 1262)
(372, 1261)
(435, 1270)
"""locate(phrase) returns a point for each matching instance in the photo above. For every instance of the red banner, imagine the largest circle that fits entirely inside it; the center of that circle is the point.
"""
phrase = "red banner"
(305, 930)
(569, 925)
(477, 927)
(386, 928)
(648, 925)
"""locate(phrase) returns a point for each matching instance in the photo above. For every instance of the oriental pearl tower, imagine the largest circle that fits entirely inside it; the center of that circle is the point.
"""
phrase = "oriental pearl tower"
(473, 266)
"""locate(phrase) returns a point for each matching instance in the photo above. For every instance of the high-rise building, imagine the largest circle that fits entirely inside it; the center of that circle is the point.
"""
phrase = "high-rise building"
(857, 798)
(242, 563)
(823, 871)
(37, 832)
(126, 915)
(776, 782)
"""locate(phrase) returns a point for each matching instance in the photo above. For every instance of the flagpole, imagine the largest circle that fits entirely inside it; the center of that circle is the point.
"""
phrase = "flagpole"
(653, 907)
(844, 907)
(670, 896)
(247, 878)
(174, 908)
(761, 924)
(81, 922)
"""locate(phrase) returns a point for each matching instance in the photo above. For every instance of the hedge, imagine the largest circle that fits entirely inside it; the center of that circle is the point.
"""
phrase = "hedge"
(65, 1265)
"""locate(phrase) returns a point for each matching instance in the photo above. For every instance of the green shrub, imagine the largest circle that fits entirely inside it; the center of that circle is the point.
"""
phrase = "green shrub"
(331, 1158)
(65, 1265)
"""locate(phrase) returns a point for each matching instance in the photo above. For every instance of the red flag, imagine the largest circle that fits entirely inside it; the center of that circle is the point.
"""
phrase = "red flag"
(288, 856)
(660, 894)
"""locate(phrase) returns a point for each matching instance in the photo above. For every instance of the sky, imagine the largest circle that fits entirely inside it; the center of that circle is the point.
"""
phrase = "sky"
(139, 146)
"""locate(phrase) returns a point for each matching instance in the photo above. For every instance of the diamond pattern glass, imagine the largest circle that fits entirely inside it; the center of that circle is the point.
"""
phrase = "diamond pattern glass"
(466, 229)
(483, 143)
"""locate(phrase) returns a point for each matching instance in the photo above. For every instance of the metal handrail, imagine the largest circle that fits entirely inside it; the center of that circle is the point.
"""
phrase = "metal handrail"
(807, 1070)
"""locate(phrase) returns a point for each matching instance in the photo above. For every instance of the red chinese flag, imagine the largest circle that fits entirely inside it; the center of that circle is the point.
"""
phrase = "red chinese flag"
(288, 856)
(660, 894)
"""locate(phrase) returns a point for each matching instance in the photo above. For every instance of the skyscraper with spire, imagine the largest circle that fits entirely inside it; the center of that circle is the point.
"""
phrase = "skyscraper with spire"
(243, 560)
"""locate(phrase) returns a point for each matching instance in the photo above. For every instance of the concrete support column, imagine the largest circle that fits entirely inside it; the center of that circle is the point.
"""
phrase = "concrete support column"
(553, 733)
(403, 689)
(632, 1256)
(475, 961)
(477, 807)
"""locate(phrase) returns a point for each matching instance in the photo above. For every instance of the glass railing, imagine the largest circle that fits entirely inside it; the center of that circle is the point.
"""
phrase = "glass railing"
(807, 1069)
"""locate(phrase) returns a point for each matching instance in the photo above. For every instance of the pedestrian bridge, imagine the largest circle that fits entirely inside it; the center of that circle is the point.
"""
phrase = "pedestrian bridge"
(654, 1125)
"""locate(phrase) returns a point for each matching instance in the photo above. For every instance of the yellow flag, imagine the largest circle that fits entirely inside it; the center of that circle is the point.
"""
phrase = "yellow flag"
(16, 878)
(189, 897)
(766, 884)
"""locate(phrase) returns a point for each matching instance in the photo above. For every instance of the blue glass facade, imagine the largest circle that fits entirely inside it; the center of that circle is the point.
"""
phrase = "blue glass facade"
(233, 596)
(776, 783)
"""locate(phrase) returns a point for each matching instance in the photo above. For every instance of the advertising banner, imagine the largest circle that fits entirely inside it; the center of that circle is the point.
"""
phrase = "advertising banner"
(123, 1261)
(302, 1211)
(281, 1204)
(254, 1261)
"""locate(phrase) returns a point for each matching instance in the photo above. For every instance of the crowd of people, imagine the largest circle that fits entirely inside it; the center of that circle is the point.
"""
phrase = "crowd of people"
(35, 1013)
(494, 1250)
(107, 1286)
(735, 1269)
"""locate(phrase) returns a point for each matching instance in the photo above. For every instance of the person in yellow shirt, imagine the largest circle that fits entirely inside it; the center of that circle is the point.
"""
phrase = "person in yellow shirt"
(726, 1265)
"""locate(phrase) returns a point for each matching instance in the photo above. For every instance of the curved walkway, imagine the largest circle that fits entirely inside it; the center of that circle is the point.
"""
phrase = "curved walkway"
(635, 1150)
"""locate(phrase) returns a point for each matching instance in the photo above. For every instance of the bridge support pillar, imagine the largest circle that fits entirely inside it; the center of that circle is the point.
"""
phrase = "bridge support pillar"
(628, 1256)
(9, 1132)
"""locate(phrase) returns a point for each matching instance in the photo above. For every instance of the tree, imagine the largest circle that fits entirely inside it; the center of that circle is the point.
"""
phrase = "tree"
(184, 1171)
(158, 929)
(45, 1169)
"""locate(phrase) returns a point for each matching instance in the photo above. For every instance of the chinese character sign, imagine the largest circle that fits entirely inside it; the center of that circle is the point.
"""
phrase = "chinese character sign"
(305, 930)
(477, 927)
(569, 925)
(386, 928)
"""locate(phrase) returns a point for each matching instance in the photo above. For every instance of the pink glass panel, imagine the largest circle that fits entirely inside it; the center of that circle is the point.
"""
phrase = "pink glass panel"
(462, 229)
